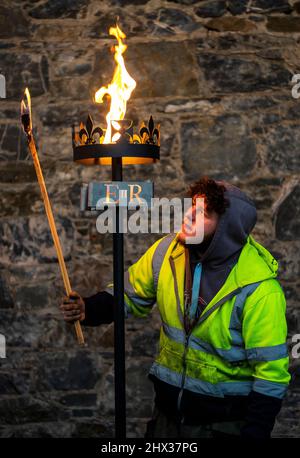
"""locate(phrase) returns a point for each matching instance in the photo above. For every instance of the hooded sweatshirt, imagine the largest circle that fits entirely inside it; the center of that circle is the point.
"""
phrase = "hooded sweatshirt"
(221, 253)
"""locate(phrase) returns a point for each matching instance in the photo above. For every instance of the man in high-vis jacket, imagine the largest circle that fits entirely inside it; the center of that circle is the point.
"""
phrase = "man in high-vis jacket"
(222, 365)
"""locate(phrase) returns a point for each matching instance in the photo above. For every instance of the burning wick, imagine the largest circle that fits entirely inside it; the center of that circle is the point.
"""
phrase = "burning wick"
(26, 113)
(119, 89)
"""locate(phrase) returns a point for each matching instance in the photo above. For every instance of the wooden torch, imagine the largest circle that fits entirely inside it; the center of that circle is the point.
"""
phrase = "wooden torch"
(27, 126)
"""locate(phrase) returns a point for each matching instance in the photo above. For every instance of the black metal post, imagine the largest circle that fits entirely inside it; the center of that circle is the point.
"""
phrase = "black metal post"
(88, 151)
(119, 329)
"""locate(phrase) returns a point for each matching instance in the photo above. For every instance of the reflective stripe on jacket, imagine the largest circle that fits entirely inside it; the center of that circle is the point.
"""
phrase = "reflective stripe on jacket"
(239, 341)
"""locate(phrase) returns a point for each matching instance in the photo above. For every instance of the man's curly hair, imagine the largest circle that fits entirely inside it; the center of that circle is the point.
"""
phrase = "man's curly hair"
(214, 194)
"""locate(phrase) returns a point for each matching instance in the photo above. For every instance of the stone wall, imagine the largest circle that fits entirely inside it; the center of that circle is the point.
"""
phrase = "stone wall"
(217, 76)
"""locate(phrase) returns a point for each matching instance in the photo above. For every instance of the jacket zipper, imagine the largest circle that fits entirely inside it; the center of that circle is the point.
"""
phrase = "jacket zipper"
(188, 333)
(180, 394)
(187, 336)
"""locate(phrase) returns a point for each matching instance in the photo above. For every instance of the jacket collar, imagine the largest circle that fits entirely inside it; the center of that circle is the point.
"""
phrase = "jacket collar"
(255, 264)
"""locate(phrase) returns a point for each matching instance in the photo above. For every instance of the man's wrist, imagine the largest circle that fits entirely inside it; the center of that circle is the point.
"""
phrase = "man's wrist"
(98, 309)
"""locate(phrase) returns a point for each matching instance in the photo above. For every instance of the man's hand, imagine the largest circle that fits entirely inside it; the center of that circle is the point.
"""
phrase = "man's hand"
(73, 307)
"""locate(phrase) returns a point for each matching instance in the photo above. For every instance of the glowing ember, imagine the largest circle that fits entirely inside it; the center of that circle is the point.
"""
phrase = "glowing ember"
(119, 89)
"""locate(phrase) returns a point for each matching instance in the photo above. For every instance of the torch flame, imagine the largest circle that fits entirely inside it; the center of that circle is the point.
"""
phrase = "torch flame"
(119, 89)
(26, 111)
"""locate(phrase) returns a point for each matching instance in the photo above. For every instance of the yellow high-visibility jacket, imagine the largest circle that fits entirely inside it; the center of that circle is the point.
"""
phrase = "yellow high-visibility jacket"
(239, 342)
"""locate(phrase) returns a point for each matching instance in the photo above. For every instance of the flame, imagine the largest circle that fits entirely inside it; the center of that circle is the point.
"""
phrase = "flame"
(26, 108)
(119, 89)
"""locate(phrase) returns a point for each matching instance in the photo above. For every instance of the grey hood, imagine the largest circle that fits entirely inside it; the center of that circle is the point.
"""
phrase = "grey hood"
(222, 252)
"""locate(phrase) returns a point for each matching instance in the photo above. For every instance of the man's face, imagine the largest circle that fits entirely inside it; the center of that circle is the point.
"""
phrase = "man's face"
(209, 219)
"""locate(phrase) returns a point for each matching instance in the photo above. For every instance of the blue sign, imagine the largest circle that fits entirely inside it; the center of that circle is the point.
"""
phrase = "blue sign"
(130, 194)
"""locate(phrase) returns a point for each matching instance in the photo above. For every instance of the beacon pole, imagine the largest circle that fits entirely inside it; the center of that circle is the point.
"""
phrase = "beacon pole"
(129, 149)
(119, 322)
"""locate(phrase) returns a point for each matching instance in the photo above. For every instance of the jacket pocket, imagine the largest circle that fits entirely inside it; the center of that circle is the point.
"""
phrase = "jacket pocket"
(193, 367)
(170, 359)
(198, 369)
